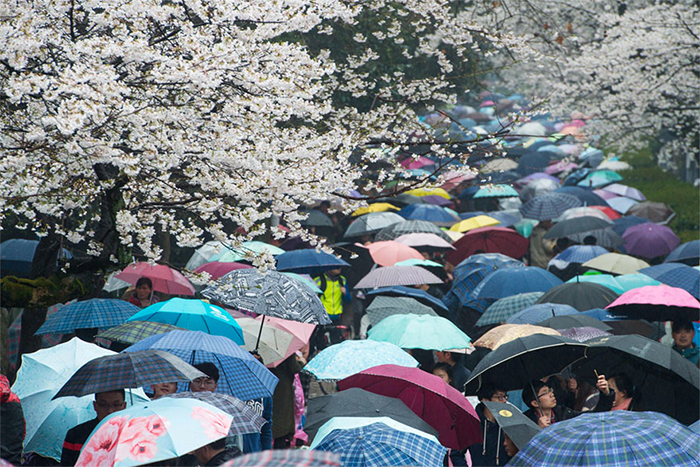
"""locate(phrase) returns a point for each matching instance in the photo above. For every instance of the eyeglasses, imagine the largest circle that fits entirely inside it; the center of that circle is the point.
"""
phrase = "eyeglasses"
(546, 392)
(500, 397)
(204, 382)
(102, 405)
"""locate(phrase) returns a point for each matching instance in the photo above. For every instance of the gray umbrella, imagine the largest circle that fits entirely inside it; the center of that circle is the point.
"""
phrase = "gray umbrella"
(383, 307)
(412, 226)
(517, 426)
(372, 223)
(317, 219)
(397, 275)
(580, 295)
(270, 293)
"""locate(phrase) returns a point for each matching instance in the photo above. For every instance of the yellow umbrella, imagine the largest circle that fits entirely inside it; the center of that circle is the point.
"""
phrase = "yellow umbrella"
(454, 235)
(507, 332)
(376, 207)
(474, 223)
(430, 191)
(616, 263)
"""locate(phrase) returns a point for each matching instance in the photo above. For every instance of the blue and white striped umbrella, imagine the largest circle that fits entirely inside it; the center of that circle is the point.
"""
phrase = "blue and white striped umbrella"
(94, 313)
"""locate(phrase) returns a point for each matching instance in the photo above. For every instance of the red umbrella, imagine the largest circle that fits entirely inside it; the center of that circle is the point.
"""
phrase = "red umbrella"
(608, 211)
(217, 269)
(164, 279)
(436, 402)
(489, 240)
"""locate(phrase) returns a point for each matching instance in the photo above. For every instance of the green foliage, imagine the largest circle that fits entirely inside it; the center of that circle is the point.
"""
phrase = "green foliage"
(40, 292)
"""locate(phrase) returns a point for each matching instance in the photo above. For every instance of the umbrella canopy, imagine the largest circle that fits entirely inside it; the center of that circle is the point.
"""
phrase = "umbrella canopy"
(659, 213)
(286, 458)
(474, 223)
(246, 249)
(576, 225)
(397, 275)
(217, 269)
(361, 262)
(581, 253)
(489, 240)
(425, 240)
(623, 223)
(308, 261)
(469, 273)
(271, 343)
(657, 303)
(388, 253)
(583, 334)
(156, 431)
(612, 438)
(688, 253)
(429, 191)
(39, 378)
(627, 191)
(245, 419)
(372, 223)
(549, 206)
(606, 280)
(505, 333)
(383, 307)
(600, 178)
(586, 196)
(621, 204)
(428, 212)
(410, 226)
(429, 396)
(164, 279)
(420, 332)
(538, 187)
(585, 211)
(607, 238)
(437, 200)
(134, 331)
(676, 275)
(511, 281)
(514, 364)
(580, 295)
(352, 356)
(513, 422)
(506, 307)
(375, 208)
(94, 313)
(541, 311)
(496, 191)
(127, 370)
(203, 253)
(633, 281)
(17, 254)
(344, 423)
(403, 291)
(270, 293)
(317, 218)
(664, 381)
(578, 320)
(616, 263)
(381, 445)
(240, 374)
(498, 165)
(650, 240)
(301, 334)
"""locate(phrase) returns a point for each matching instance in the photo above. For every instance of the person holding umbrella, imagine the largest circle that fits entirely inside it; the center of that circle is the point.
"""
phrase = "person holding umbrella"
(143, 296)
(683, 334)
(487, 452)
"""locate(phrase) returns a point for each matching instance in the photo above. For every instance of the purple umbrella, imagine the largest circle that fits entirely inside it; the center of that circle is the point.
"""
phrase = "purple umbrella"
(649, 240)
(436, 200)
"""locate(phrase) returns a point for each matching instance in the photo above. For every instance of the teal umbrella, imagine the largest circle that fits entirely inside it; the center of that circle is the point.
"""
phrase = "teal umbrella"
(420, 332)
(634, 281)
(496, 191)
(606, 280)
(418, 262)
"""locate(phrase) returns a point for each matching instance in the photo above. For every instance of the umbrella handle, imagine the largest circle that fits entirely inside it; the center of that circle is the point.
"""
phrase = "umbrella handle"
(262, 321)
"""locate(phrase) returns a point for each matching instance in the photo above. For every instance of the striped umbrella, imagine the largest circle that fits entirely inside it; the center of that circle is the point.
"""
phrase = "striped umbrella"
(410, 226)
(397, 275)
(549, 206)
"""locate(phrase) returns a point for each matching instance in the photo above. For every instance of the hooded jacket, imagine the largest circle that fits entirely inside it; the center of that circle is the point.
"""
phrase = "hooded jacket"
(692, 353)
(491, 449)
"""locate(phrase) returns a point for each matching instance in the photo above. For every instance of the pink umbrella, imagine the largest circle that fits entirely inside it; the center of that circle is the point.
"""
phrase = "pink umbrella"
(436, 402)
(657, 303)
(164, 279)
(217, 269)
(301, 331)
(605, 194)
(390, 252)
(560, 166)
(411, 163)
(453, 179)
(423, 239)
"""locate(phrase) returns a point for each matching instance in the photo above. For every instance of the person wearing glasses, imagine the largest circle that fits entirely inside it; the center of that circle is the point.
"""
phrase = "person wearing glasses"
(543, 404)
(205, 383)
(487, 453)
(106, 403)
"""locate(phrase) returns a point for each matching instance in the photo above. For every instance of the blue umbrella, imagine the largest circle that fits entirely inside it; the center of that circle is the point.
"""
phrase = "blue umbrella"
(469, 215)
(621, 204)
(193, 315)
(427, 212)
(624, 223)
(240, 374)
(537, 313)
(587, 197)
(380, 445)
(403, 291)
(17, 254)
(94, 313)
(676, 275)
(511, 281)
(689, 251)
(581, 253)
(504, 218)
(549, 206)
(308, 261)
(470, 272)
(506, 307)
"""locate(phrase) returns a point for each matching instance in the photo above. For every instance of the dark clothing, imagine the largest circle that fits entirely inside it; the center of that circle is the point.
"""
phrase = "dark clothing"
(283, 398)
(492, 440)
(224, 456)
(12, 425)
(256, 442)
(460, 375)
(692, 353)
(75, 438)
(562, 413)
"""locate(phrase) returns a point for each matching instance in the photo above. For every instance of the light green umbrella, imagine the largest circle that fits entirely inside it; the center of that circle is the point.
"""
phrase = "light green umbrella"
(231, 256)
(633, 281)
(418, 262)
(421, 332)
(605, 280)
(345, 423)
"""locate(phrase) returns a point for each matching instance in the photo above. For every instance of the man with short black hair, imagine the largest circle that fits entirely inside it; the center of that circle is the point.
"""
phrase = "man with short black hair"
(216, 453)
(460, 374)
(205, 383)
(683, 334)
(487, 453)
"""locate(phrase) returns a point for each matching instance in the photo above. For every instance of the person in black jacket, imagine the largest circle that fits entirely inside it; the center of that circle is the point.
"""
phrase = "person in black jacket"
(490, 451)
(12, 425)
(543, 404)
(216, 453)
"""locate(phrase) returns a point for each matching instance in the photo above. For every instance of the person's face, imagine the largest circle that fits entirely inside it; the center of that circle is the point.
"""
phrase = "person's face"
(509, 445)
(546, 398)
(499, 396)
(442, 374)
(161, 389)
(619, 395)
(203, 384)
(442, 357)
(107, 403)
(143, 292)
(683, 338)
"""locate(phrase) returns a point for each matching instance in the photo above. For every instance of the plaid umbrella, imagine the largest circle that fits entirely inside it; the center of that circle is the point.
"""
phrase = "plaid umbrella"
(270, 293)
(677, 275)
(245, 418)
(383, 307)
(372, 223)
(581, 253)
(504, 308)
(470, 272)
(240, 374)
(687, 253)
(286, 458)
(94, 313)
(549, 206)
(410, 226)
(397, 275)
(381, 445)
(540, 312)
(127, 370)
(134, 331)
(612, 439)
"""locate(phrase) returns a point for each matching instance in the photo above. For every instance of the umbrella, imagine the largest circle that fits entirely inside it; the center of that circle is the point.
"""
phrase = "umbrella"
(621, 204)
(308, 261)
(549, 206)
(659, 213)
(437, 200)
(17, 254)
(94, 313)
(623, 223)
(352, 356)
(359, 258)
(375, 208)
(245, 418)
(397, 275)
(506, 218)
(203, 253)
(537, 187)
(156, 431)
(504, 333)
(410, 226)
(586, 196)
(498, 165)
(586, 211)
(539, 312)
(420, 332)
(372, 223)
(429, 191)
(286, 458)
(495, 191)
(580, 295)
(429, 396)
(216, 269)
(474, 223)
(621, 325)
(39, 378)
(383, 307)
(581, 253)
(424, 240)
(606, 280)
(576, 225)
(583, 334)
(511, 281)
(519, 428)
(688, 253)
(317, 218)
(416, 163)
(164, 279)
(194, 315)
(271, 343)
(127, 370)
(301, 334)
(616, 263)
(599, 178)
(657, 303)
(677, 275)
(606, 238)
(664, 381)
(514, 364)
(134, 331)
(246, 250)
(428, 212)
(305, 279)
(695, 427)
(344, 423)
(403, 291)
(577, 320)
(533, 162)
(270, 293)
(241, 374)
(489, 240)
(388, 253)
(470, 272)
(380, 445)
(560, 166)
(650, 240)
(505, 307)
(612, 438)
(633, 281)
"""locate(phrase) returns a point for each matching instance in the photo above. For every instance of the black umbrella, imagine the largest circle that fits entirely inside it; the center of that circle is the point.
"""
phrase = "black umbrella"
(519, 428)
(317, 219)
(514, 364)
(355, 402)
(580, 295)
(607, 238)
(663, 380)
(400, 200)
(576, 225)
(624, 223)
(533, 162)
(574, 321)
(359, 258)
(587, 197)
